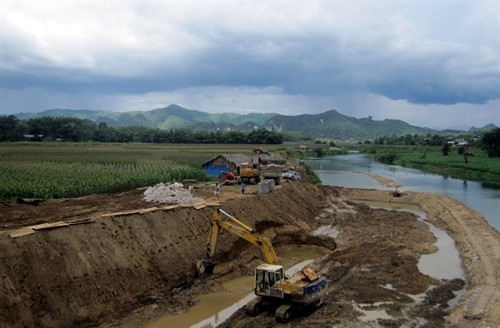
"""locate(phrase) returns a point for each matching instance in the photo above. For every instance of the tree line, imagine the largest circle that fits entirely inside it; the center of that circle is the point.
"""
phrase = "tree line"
(488, 141)
(84, 130)
(422, 140)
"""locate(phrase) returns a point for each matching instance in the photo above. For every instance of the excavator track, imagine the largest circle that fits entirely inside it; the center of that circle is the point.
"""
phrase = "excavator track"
(254, 307)
(284, 313)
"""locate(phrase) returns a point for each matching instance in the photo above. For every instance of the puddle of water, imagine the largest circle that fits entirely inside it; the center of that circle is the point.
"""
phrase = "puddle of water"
(458, 294)
(445, 263)
(214, 308)
(235, 295)
(371, 314)
(326, 230)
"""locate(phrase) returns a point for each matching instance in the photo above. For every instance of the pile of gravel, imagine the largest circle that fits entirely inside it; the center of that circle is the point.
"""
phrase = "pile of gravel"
(171, 193)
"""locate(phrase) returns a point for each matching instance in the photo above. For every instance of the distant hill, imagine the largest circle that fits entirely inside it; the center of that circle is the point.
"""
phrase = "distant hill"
(333, 125)
(166, 118)
(484, 128)
(330, 124)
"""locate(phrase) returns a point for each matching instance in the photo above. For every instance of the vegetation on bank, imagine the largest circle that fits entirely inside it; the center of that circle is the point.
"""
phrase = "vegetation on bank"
(477, 166)
(468, 157)
(312, 175)
(472, 157)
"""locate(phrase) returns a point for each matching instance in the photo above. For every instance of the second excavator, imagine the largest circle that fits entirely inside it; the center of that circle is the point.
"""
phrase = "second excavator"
(274, 289)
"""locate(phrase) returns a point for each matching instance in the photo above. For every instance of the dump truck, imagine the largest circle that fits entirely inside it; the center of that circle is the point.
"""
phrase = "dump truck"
(273, 288)
(272, 172)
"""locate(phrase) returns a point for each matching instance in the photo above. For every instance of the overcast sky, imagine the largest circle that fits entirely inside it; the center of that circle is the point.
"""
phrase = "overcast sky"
(430, 63)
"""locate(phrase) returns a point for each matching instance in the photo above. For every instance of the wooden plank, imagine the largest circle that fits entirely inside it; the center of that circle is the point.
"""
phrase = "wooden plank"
(80, 221)
(147, 210)
(200, 205)
(214, 204)
(120, 213)
(169, 207)
(51, 225)
(21, 232)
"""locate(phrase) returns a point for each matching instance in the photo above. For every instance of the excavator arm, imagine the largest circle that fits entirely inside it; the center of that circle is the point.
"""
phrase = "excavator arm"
(241, 230)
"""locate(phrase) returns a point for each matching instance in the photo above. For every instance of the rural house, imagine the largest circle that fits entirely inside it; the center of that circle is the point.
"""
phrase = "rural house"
(261, 151)
(227, 163)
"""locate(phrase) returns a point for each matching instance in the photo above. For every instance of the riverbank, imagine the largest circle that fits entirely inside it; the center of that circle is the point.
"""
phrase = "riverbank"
(139, 263)
(478, 244)
(382, 180)
(477, 166)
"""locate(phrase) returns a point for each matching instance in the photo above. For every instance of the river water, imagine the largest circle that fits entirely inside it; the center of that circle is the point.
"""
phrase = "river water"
(345, 171)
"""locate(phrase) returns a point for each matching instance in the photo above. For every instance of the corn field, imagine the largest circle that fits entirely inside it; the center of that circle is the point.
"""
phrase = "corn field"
(60, 170)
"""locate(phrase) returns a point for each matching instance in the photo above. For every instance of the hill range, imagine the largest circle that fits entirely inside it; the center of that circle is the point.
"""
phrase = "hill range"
(330, 124)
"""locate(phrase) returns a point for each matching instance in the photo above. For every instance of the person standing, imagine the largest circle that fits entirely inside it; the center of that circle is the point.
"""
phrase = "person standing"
(217, 190)
(242, 187)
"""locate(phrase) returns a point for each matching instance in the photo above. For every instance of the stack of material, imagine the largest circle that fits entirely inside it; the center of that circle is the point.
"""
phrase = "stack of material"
(266, 186)
(172, 193)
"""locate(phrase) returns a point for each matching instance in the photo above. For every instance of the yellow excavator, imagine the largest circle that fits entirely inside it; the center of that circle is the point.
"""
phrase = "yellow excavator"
(249, 172)
(274, 289)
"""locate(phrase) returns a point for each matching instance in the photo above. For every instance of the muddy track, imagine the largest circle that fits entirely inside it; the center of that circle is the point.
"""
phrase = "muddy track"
(126, 270)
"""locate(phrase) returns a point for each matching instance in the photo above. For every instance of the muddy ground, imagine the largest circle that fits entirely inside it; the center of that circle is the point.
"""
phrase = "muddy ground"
(114, 266)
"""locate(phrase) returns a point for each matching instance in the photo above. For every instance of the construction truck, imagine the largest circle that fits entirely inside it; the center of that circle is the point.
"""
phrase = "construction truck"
(249, 173)
(273, 288)
(272, 172)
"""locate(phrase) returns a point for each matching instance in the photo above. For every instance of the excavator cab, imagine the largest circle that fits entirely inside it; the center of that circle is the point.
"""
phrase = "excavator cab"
(267, 276)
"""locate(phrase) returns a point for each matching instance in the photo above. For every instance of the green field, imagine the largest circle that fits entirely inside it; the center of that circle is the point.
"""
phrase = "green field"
(479, 166)
(58, 170)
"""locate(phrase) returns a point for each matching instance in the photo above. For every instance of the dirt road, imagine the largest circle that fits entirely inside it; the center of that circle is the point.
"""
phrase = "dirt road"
(133, 261)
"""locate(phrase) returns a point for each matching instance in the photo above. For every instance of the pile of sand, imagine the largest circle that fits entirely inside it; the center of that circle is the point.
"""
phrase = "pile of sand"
(171, 193)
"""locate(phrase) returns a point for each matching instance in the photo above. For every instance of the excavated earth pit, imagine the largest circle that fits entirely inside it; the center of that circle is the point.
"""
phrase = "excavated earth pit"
(119, 261)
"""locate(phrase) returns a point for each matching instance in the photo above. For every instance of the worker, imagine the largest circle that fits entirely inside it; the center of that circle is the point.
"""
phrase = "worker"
(242, 187)
(217, 190)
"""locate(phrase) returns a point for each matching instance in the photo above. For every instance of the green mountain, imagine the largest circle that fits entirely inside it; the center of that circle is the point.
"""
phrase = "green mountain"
(330, 124)
(166, 118)
(333, 125)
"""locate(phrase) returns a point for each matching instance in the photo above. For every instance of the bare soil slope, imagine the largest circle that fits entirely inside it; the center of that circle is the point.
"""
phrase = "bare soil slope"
(121, 261)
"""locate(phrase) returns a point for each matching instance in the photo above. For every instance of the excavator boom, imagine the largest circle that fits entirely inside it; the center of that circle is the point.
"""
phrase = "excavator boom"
(238, 228)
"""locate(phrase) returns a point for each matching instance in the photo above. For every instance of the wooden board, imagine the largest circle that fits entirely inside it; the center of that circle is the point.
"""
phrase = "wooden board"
(21, 232)
(147, 210)
(52, 225)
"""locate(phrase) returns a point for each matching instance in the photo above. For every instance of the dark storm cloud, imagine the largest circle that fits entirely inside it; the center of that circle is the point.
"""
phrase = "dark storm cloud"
(421, 54)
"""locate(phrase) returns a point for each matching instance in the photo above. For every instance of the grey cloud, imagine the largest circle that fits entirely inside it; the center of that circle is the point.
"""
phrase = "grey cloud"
(410, 52)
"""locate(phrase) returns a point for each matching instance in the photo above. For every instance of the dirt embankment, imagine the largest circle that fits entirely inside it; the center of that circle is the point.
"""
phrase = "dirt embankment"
(98, 273)
(89, 274)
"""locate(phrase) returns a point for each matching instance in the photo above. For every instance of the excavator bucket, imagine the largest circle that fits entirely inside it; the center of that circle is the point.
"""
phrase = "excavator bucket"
(206, 266)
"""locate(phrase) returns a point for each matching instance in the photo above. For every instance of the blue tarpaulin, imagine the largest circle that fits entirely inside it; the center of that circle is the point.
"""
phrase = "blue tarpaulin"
(214, 171)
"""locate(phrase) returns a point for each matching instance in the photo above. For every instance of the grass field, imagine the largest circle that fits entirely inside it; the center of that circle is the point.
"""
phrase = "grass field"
(479, 167)
(58, 170)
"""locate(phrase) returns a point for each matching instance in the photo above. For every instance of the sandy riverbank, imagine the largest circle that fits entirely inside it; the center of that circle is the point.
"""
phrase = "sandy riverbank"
(382, 180)
(477, 242)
